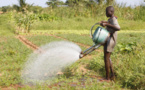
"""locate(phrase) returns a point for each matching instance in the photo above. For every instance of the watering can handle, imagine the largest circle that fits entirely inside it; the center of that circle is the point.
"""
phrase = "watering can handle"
(92, 29)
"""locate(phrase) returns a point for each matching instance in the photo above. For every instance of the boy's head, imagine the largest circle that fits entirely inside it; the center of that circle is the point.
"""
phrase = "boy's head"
(110, 11)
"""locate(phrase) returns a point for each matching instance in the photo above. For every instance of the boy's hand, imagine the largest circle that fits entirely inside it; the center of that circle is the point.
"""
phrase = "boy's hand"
(103, 24)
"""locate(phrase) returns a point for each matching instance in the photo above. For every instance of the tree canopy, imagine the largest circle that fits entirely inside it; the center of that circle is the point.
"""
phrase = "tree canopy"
(54, 3)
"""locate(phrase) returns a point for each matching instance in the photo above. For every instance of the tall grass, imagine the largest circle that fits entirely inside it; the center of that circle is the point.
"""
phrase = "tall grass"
(6, 27)
(82, 23)
(122, 12)
(78, 18)
(82, 18)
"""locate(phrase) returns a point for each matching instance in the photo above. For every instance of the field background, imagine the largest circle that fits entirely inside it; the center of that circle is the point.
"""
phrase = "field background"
(43, 25)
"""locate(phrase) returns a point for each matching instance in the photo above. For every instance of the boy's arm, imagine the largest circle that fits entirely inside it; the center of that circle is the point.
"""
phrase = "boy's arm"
(110, 26)
(103, 22)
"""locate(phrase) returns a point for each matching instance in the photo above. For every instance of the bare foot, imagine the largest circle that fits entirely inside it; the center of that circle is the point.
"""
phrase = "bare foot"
(112, 77)
(104, 79)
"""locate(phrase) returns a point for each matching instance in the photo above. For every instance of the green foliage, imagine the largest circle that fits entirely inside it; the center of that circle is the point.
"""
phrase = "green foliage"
(6, 8)
(128, 63)
(12, 57)
(97, 65)
(129, 47)
(24, 22)
(75, 2)
(36, 9)
(6, 26)
(78, 16)
(54, 3)
(41, 39)
(81, 39)
(22, 7)
(46, 17)
(129, 67)
(109, 2)
(139, 13)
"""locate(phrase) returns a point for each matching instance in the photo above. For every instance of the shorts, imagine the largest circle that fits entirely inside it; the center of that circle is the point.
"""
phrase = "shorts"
(109, 45)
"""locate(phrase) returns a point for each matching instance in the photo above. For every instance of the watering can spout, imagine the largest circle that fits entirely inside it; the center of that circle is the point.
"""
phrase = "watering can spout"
(81, 56)
(89, 50)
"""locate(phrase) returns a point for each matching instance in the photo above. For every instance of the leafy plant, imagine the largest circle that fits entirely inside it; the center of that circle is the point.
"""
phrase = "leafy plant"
(46, 17)
(129, 47)
(24, 22)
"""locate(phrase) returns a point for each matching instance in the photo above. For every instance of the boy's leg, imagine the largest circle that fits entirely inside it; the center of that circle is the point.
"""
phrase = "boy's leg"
(112, 71)
(107, 64)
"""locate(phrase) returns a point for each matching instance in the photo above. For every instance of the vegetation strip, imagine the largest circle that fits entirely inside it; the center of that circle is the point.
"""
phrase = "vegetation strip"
(55, 36)
(86, 46)
(66, 39)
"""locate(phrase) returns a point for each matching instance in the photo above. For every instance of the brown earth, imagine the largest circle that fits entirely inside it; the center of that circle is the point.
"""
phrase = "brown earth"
(27, 43)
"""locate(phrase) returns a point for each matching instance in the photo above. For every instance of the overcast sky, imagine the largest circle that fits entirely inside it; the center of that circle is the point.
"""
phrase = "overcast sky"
(43, 2)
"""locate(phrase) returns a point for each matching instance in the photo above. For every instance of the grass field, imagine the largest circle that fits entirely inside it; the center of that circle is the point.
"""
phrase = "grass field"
(73, 24)
(13, 55)
(128, 61)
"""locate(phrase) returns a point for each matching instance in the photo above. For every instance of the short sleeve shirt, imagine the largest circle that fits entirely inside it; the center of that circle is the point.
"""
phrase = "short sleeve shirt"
(112, 42)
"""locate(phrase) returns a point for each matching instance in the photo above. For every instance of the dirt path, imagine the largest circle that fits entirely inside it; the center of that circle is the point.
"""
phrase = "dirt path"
(27, 43)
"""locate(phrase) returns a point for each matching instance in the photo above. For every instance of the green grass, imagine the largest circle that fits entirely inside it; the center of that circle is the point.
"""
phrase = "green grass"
(41, 40)
(82, 23)
(128, 61)
(86, 40)
(13, 55)
(6, 27)
(129, 66)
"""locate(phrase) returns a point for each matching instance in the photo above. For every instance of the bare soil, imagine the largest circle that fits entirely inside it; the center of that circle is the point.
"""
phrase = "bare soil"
(27, 43)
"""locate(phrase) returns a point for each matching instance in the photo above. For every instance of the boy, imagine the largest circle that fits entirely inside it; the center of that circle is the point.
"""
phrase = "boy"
(112, 26)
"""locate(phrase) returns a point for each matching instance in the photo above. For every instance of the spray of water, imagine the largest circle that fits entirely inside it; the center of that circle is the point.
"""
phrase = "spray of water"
(45, 65)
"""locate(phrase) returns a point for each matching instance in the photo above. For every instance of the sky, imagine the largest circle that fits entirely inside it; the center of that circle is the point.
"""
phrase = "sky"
(43, 2)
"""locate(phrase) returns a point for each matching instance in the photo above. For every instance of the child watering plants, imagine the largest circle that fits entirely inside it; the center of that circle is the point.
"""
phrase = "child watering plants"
(112, 26)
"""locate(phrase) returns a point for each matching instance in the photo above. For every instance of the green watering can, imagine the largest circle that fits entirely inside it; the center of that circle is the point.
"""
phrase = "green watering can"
(99, 37)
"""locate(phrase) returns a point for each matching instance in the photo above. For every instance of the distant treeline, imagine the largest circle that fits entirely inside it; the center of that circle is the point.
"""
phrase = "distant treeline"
(81, 8)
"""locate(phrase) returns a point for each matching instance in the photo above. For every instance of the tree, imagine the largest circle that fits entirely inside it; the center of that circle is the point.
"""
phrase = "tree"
(109, 2)
(22, 7)
(99, 1)
(73, 2)
(54, 3)
(6, 8)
